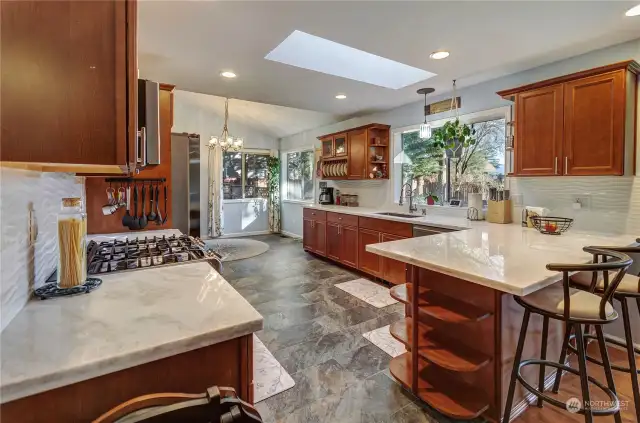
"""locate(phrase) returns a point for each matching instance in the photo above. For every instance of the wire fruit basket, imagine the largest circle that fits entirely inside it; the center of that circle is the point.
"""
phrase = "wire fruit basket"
(551, 225)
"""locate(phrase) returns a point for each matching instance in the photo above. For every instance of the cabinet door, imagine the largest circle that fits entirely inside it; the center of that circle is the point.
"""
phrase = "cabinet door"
(357, 150)
(327, 147)
(393, 271)
(334, 244)
(320, 246)
(65, 70)
(308, 235)
(349, 245)
(594, 112)
(539, 126)
(368, 262)
(340, 144)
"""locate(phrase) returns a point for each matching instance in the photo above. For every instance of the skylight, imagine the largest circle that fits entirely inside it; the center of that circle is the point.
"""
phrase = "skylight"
(318, 54)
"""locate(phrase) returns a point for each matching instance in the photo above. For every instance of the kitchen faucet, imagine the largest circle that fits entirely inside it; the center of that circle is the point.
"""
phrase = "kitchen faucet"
(412, 207)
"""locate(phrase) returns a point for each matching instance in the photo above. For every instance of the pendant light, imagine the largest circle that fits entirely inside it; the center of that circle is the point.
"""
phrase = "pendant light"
(226, 141)
(425, 128)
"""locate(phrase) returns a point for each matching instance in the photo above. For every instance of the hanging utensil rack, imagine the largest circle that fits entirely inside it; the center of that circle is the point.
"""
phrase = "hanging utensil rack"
(129, 179)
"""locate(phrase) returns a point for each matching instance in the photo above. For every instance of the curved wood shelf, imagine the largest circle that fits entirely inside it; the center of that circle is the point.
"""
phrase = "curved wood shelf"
(440, 306)
(438, 349)
(439, 389)
(335, 159)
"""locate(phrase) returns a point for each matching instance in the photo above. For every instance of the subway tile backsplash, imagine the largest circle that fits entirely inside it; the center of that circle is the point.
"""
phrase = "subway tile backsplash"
(24, 267)
(612, 202)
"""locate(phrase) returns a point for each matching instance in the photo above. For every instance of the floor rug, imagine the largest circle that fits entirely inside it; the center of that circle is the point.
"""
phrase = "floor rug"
(382, 339)
(369, 292)
(236, 248)
(269, 376)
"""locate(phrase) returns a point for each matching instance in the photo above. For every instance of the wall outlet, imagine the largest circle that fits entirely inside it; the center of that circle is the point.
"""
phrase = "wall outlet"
(582, 202)
(517, 200)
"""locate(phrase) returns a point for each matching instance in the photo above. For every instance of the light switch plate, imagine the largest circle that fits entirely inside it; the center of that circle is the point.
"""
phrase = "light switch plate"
(584, 200)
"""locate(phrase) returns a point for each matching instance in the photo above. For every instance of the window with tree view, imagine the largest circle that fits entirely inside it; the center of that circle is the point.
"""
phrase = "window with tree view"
(244, 175)
(438, 174)
(299, 175)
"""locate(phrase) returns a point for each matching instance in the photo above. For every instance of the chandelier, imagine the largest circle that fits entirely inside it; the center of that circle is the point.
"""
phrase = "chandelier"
(226, 141)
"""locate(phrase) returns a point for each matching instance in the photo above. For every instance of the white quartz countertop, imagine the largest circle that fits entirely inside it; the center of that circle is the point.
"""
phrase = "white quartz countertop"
(133, 318)
(431, 219)
(507, 258)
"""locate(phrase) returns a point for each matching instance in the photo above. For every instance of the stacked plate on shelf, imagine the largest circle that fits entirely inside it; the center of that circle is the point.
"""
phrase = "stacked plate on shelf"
(334, 169)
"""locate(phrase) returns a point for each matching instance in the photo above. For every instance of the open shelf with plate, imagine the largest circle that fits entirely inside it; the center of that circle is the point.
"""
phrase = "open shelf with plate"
(450, 348)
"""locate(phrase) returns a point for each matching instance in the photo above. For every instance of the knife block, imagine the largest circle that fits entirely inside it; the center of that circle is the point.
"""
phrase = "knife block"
(498, 211)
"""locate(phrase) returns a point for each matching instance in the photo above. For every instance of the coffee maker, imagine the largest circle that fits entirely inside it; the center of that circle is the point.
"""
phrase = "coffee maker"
(326, 195)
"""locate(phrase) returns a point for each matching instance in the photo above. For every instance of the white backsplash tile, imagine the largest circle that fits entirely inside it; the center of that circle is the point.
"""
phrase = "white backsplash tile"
(24, 267)
(614, 200)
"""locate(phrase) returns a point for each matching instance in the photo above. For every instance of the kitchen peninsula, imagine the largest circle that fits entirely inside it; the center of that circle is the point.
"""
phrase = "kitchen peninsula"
(172, 329)
(468, 321)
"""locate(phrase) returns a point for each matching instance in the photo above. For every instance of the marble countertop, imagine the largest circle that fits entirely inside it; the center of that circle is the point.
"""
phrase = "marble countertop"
(431, 219)
(132, 319)
(507, 258)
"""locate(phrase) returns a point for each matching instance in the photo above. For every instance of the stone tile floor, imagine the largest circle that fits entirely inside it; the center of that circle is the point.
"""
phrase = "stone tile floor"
(315, 331)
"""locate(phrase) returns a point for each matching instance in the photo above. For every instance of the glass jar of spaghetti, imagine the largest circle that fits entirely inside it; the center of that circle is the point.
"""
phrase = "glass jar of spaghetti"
(72, 244)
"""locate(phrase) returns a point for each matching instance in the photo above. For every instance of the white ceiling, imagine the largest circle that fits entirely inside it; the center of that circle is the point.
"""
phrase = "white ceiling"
(268, 119)
(189, 43)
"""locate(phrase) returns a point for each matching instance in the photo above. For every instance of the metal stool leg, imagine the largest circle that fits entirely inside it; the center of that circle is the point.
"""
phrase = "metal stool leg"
(607, 367)
(516, 362)
(631, 355)
(563, 357)
(543, 356)
(584, 382)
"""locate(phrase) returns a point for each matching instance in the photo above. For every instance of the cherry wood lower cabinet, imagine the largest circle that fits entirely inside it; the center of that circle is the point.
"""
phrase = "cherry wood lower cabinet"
(461, 358)
(228, 363)
(344, 237)
(393, 271)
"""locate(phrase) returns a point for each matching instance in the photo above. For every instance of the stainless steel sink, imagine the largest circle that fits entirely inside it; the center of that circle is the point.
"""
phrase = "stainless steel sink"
(411, 216)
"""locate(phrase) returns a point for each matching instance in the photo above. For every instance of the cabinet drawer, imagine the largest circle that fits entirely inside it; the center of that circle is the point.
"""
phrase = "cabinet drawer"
(314, 214)
(344, 219)
(386, 226)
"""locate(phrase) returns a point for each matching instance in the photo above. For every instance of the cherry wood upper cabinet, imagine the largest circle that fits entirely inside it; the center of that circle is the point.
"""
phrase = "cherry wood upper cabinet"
(364, 150)
(578, 124)
(594, 110)
(356, 167)
(539, 123)
(68, 86)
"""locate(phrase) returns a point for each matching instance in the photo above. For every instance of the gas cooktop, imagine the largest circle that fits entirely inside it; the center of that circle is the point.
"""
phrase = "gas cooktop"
(137, 253)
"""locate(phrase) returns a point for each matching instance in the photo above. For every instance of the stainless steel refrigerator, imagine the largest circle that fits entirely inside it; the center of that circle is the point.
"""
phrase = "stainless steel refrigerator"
(185, 174)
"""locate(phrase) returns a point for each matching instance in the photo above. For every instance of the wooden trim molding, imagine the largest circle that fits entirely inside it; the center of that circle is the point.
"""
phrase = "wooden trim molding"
(630, 65)
(344, 131)
(67, 168)
(167, 87)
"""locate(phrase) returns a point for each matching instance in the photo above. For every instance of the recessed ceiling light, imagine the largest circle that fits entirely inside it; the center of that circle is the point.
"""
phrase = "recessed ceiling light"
(228, 74)
(341, 96)
(321, 55)
(634, 11)
(439, 55)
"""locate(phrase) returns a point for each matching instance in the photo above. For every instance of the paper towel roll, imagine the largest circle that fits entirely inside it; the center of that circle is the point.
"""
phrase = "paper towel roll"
(475, 201)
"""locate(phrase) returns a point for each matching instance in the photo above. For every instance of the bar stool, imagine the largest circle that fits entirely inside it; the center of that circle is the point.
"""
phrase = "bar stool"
(629, 288)
(576, 308)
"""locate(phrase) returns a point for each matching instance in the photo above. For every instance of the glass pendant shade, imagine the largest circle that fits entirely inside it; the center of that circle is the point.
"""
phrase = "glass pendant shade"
(425, 131)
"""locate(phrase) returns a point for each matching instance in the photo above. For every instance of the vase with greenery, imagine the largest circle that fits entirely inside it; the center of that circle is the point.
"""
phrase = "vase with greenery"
(273, 190)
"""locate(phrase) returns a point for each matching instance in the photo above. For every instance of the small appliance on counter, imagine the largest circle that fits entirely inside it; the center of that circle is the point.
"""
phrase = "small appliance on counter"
(326, 195)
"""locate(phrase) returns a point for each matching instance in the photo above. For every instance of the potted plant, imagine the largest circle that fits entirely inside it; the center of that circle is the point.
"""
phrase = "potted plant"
(453, 136)
(432, 199)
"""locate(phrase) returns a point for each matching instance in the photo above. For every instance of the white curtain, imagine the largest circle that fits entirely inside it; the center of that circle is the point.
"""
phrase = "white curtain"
(216, 220)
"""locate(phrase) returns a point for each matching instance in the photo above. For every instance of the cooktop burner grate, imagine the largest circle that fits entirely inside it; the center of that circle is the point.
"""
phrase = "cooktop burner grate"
(130, 254)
